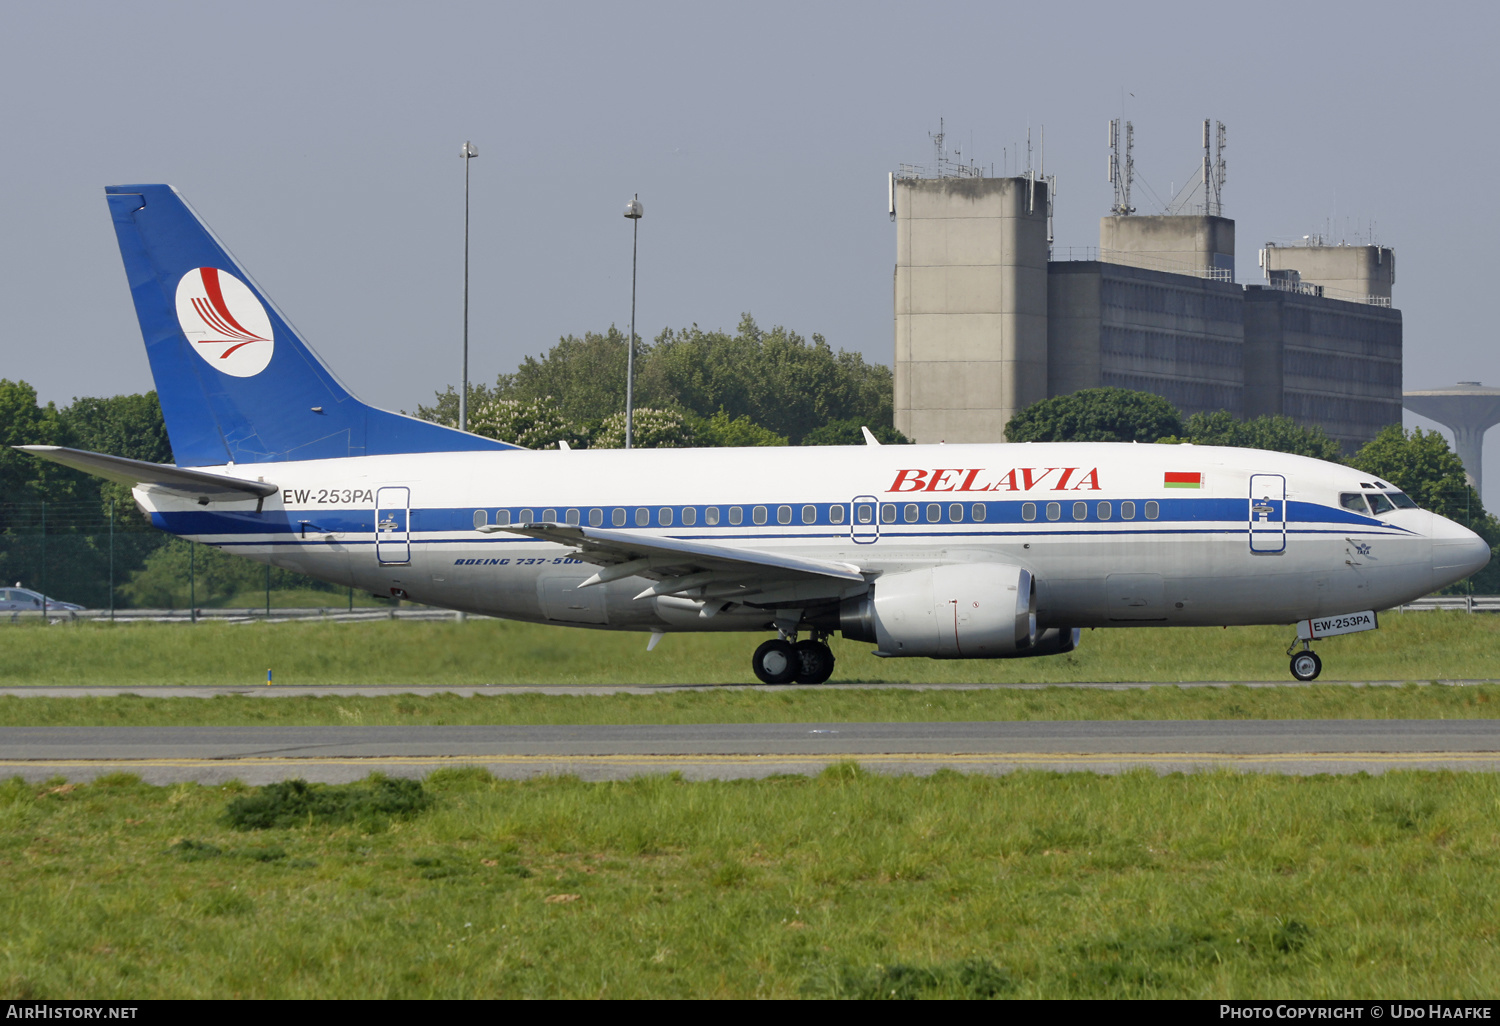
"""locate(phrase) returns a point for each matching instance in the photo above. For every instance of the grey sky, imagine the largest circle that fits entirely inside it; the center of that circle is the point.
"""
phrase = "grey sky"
(321, 141)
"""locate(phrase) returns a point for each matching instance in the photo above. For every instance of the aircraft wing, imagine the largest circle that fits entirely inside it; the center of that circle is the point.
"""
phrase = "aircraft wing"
(192, 484)
(681, 566)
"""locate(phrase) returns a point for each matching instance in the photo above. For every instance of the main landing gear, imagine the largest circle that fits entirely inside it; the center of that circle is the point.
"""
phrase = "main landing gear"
(1305, 664)
(784, 660)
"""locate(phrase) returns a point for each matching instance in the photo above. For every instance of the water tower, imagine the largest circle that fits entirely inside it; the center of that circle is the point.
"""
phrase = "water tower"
(1470, 410)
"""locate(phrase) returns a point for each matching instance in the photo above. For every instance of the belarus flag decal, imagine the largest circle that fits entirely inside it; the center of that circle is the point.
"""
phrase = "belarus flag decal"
(1177, 480)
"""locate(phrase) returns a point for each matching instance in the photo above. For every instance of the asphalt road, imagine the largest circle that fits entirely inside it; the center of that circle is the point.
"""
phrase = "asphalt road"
(262, 754)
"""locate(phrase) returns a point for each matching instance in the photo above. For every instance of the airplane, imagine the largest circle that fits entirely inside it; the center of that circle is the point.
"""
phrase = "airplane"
(942, 551)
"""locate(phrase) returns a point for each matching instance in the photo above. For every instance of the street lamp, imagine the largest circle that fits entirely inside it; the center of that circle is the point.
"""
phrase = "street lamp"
(468, 153)
(633, 210)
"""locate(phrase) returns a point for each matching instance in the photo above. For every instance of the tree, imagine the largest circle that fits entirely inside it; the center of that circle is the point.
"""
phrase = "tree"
(1096, 415)
(533, 423)
(178, 572)
(777, 379)
(1421, 465)
(742, 431)
(653, 429)
(847, 432)
(1275, 432)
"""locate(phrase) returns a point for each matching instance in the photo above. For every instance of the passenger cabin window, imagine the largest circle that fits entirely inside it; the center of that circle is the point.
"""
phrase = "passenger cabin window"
(1152, 510)
(664, 516)
(1127, 510)
(1401, 500)
(736, 516)
(836, 514)
(711, 516)
(864, 513)
(934, 513)
(783, 514)
(689, 516)
(888, 513)
(642, 516)
(759, 515)
(1380, 503)
(502, 517)
(1105, 511)
(909, 514)
(977, 511)
(809, 514)
(596, 518)
(549, 516)
(956, 512)
(1028, 511)
(524, 517)
(1053, 511)
(1354, 502)
(572, 518)
(617, 518)
(481, 517)
(1080, 511)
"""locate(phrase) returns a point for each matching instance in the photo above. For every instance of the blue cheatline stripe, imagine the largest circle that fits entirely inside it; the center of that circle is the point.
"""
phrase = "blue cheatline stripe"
(1231, 531)
(1010, 512)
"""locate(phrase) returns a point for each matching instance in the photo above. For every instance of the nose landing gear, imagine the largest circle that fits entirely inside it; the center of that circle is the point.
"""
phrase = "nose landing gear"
(1305, 664)
(784, 659)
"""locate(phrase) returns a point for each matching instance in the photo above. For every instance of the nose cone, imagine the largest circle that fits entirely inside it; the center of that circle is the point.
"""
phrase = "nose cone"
(1457, 552)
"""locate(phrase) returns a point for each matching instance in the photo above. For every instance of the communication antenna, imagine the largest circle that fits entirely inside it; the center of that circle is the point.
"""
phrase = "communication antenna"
(937, 147)
(1214, 170)
(1121, 173)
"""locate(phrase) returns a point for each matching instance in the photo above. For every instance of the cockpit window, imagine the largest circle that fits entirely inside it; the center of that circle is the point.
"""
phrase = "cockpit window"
(1354, 502)
(1401, 500)
(1380, 503)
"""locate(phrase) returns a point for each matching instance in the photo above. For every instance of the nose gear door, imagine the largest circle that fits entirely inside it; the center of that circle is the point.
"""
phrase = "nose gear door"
(1267, 527)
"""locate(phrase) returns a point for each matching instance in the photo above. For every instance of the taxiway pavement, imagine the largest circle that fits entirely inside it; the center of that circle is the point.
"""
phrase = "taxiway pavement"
(701, 751)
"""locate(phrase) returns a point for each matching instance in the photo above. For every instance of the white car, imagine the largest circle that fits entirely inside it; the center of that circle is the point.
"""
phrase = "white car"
(21, 599)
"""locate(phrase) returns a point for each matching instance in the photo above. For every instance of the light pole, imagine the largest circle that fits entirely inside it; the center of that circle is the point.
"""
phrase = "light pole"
(468, 153)
(633, 210)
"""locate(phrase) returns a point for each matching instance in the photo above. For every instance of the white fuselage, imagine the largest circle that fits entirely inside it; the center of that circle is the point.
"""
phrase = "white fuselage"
(1114, 535)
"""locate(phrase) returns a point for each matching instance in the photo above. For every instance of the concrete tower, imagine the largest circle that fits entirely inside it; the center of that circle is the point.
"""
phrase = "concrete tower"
(1201, 245)
(1470, 410)
(970, 305)
(1360, 273)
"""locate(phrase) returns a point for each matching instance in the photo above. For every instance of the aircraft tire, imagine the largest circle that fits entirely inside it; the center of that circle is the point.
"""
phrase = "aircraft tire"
(1306, 666)
(815, 662)
(775, 662)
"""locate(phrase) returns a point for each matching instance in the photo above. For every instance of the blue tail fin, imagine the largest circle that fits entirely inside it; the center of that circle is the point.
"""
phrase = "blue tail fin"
(236, 383)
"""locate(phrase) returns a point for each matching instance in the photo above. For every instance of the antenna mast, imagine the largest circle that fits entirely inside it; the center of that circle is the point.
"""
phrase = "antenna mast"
(1214, 170)
(1121, 174)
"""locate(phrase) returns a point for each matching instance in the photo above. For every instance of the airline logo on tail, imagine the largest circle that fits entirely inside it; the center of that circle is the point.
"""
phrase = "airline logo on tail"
(224, 322)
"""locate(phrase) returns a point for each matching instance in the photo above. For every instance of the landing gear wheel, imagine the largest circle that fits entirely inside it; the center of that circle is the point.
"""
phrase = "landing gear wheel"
(775, 662)
(1306, 666)
(814, 662)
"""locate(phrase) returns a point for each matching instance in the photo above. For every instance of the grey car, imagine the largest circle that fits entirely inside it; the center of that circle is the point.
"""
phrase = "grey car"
(24, 599)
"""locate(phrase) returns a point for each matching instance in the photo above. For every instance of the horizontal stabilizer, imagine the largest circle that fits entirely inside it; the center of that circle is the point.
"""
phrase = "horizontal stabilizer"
(193, 484)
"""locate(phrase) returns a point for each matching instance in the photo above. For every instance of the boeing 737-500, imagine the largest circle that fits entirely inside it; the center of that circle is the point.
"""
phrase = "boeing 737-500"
(945, 551)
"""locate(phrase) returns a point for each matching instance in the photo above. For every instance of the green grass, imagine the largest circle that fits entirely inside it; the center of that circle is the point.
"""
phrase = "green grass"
(1411, 646)
(854, 705)
(1026, 885)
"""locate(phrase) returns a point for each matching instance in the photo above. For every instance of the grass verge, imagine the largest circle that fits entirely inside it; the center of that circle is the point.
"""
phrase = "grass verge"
(1324, 701)
(1409, 646)
(847, 884)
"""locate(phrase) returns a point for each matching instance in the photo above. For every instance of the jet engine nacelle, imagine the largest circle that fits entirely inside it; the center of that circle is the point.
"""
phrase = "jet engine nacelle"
(958, 611)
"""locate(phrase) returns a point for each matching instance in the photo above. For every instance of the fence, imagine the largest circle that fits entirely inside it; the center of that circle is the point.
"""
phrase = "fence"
(111, 561)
